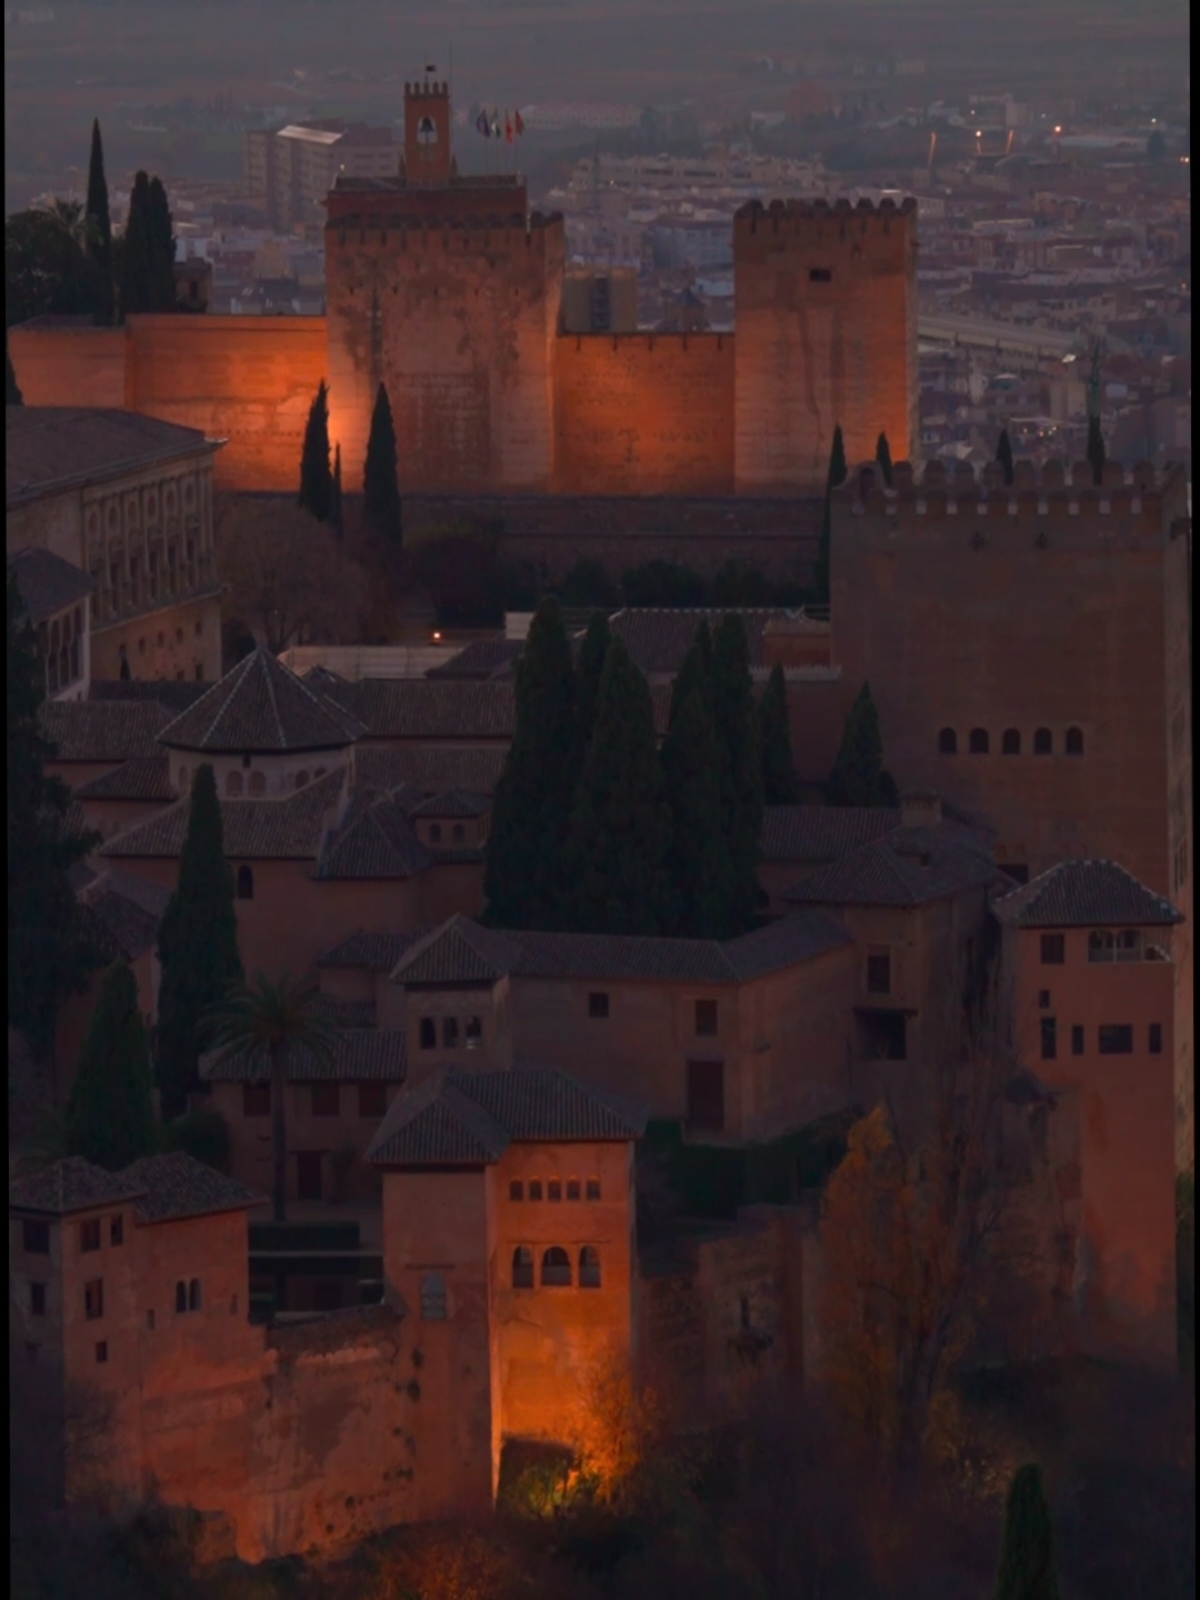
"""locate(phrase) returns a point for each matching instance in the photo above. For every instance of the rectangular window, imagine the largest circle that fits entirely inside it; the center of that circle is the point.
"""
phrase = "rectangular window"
(1156, 1038)
(116, 1231)
(706, 1096)
(1077, 1039)
(93, 1299)
(256, 1099)
(36, 1238)
(1049, 1038)
(428, 1033)
(326, 1099)
(1116, 1039)
(598, 1006)
(1044, 999)
(372, 1099)
(535, 1188)
(473, 1033)
(37, 1299)
(572, 1188)
(820, 275)
(1054, 949)
(102, 1350)
(706, 1019)
(516, 1189)
(449, 1033)
(879, 970)
(593, 1189)
(554, 1189)
(89, 1235)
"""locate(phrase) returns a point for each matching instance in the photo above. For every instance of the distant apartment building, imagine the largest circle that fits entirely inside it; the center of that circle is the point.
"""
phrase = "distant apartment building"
(292, 169)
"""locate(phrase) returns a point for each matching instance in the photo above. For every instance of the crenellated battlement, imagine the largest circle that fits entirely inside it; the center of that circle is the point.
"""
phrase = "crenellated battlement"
(476, 230)
(427, 90)
(777, 214)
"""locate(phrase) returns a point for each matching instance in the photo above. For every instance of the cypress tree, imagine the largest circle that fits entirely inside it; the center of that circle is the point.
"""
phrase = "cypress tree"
(835, 477)
(621, 826)
(696, 670)
(883, 455)
(1097, 455)
(162, 248)
(381, 484)
(736, 723)
(698, 864)
(99, 233)
(590, 669)
(858, 777)
(197, 944)
(532, 807)
(110, 1119)
(1028, 1570)
(316, 478)
(1004, 455)
(12, 392)
(137, 253)
(335, 490)
(775, 741)
(49, 950)
(837, 459)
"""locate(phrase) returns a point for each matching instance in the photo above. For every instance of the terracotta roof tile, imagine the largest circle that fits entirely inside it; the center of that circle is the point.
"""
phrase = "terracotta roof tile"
(424, 708)
(459, 951)
(481, 659)
(90, 730)
(359, 1055)
(125, 911)
(1081, 894)
(910, 867)
(822, 833)
(173, 694)
(51, 448)
(46, 583)
(175, 1186)
(344, 1013)
(377, 842)
(377, 952)
(262, 706)
(144, 778)
(291, 828)
(71, 1185)
(452, 803)
(429, 771)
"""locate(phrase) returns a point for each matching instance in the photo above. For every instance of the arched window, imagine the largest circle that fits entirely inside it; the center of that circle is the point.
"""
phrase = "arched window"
(947, 742)
(458, 833)
(194, 1295)
(978, 742)
(433, 1297)
(522, 1267)
(233, 784)
(245, 883)
(435, 833)
(1102, 946)
(1043, 742)
(181, 1296)
(258, 783)
(589, 1267)
(1074, 745)
(1010, 744)
(556, 1268)
(301, 779)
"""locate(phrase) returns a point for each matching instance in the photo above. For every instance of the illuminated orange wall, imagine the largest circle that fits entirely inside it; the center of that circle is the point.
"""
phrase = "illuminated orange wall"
(70, 366)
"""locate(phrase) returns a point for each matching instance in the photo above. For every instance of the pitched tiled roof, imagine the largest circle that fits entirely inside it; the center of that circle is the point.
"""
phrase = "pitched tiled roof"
(426, 708)
(46, 583)
(71, 1185)
(344, 1013)
(291, 828)
(822, 833)
(359, 1055)
(145, 778)
(173, 694)
(429, 771)
(262, 706)
(452, 803)
(124, 910)
(375, 841)
(1081, 894)
(481, 659)
(470, 1118)
(53, 448)
(175, 1186)
(460, 951)
(89, 730)
(658, 638)
(801, 937)
(377, 952)
(910, 867)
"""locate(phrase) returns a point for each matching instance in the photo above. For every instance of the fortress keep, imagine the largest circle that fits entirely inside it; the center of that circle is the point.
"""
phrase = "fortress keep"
(448, 290)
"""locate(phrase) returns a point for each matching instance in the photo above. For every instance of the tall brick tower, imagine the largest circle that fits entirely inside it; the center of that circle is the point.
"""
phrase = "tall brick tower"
(826, 335)
(427, 132)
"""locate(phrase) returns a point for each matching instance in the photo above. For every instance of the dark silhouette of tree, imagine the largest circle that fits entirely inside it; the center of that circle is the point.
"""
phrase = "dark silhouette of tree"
(335, 490)
(137, 253)
(589, 671)
(736, 723)
(12, 392)
(45, 268)
(699, 863)
(110, 1119)
(883, 455)
(1004, 455)
(99, 235)
(858, 777)
(835, 477)
(695, 671)
(197, 945)
(780, 787)
(1028, 1570)
(1097, 454)
(162, 248)
(316, 476)
(381, 484)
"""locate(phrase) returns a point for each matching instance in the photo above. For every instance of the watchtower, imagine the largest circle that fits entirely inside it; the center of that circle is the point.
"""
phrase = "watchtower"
(427, 132)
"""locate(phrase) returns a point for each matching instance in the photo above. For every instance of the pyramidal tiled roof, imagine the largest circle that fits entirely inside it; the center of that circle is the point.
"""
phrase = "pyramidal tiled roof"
(176, 1185)
(71, 1185)
(378, 952)
(1080, 894)
(910, 867)
(460, 951)
(378, 842)
(262, 706)
(290, 828)
(470, 1118)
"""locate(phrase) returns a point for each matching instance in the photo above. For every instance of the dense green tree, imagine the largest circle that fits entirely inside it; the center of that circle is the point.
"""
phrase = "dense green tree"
(1028, 1570)
(99, 235)
(883, 455)
(137, 253)
(858, 777)
(316, 475)
(736, 723)
(588, 584)
(162, 248)
(1097, 453)
(45, 268)
(381, 483)
(50, 952)
(110, 1118)
(1004, 455)
(531, 812)
(835, 477)
(780, 787)
(698, 863)
(197, 945)
(589, 670)
(663, 583)
(695, 671)
(269, 1028)
(12, 391)
(616, 878)
(738, 584)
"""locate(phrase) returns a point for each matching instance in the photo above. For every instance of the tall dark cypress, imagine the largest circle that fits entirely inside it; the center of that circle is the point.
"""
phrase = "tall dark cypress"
(1004, 455)
(99, 235)
(837, 459)
(110, 1119)
(883, 455)
(617, 879)
(858, 777)
(699, 864)
(1097, 453)
(197, 944)
(162, 248)
(523, 864)
(381, 482)
(137, 253)
(736, 725)
(780, 787)
(1028, 1568)
(12, 391)
(335, 491)
(695, 671)
(588, 672)
(316, 475)
(835, 477)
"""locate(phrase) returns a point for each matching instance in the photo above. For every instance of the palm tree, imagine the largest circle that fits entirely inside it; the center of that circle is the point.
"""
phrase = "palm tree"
(70, 217)
(269, 1027)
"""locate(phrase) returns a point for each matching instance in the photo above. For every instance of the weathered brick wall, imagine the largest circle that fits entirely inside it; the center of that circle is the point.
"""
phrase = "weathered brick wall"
(70, 366)
(644, 413)
(826, 335)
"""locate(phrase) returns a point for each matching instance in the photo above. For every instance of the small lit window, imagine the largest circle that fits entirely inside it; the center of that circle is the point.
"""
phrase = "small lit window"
(1054, 949)
(516, 1189)
(573, 1190)
(589, 1267)
(116, 1231)
(554, 1189)
(93, 1299)
(1156, 1048)
(947, 742)
(706, 1019)
(598, 1006)
(535, 1188)
(428, 1033)
(1077, 1039)
(556, 1268)
(372, 1099)
(1049, 1039)
(1043, 742)
(37, 1299)
(36, 1238)
(977, 742)
(89, 1235)
(256, 1099)
(1116, 1039)
(1010, 742)
(593, 1188)
(433, 1298)
(522, 1267)
(326, 1099)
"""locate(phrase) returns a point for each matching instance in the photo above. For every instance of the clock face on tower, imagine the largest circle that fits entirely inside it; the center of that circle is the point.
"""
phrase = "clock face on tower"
(426, 131)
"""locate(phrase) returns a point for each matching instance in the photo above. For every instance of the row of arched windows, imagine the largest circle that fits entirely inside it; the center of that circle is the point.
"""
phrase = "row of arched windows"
(187, 1295)
(979, 742)
(556, 1268)
(61, 645)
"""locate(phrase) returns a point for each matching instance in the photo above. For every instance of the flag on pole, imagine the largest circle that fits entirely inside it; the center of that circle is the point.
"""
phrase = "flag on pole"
(508, 128)
(495, 124)
(518, 124)
(482, 125)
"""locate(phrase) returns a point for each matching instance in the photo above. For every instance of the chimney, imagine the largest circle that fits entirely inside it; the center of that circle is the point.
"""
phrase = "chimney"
(920, 808)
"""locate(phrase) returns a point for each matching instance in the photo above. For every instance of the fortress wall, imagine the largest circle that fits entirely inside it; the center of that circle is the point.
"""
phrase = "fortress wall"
(69, 366)
(826, 335)
(458, 319)
(644, 413)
